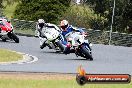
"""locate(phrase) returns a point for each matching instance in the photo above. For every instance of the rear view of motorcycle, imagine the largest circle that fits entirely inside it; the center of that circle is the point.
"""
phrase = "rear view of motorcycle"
(6, 31)
(80, 45)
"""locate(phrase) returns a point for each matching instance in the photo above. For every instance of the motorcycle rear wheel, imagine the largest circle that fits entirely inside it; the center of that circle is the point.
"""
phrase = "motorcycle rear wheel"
(13, 36)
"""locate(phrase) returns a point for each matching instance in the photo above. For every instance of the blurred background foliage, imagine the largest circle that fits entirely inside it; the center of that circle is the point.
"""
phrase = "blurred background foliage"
(94, 14)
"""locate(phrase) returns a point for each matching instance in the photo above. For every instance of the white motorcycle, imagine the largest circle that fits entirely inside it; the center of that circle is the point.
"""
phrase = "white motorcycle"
(80, 45)
(52, 38)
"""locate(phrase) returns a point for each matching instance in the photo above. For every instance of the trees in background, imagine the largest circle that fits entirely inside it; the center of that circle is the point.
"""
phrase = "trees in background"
(6, 2)
(50, 10)
(0, 3)
(97, 17)
(82, 16)
(123, 12)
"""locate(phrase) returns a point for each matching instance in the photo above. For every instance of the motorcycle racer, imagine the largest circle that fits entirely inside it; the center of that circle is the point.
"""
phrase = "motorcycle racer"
(5, 23)
(66, 28)
(6, 31)
(41, 25)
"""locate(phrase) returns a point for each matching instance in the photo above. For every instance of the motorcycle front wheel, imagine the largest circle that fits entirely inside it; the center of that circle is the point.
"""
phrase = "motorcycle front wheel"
(59, 44)
(87, 53)
(4, 40)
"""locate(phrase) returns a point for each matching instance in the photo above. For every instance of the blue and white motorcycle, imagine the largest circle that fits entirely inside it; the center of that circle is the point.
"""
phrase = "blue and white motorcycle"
(80, 45)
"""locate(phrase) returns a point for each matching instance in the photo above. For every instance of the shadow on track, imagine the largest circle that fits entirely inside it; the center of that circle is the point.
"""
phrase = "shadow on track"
(53, 52)
(8, 41)
(78, 59)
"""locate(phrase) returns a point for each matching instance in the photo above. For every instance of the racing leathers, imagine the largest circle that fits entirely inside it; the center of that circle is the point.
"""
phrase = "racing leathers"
(42, 37)
(64, 41)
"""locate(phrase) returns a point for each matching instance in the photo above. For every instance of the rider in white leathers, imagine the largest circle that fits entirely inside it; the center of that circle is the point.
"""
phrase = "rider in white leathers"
(41, 25)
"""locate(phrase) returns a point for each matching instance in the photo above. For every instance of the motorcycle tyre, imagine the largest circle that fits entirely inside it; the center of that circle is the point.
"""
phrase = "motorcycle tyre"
(60, 46)
(87, 54)
(14, 37)
(4, 40)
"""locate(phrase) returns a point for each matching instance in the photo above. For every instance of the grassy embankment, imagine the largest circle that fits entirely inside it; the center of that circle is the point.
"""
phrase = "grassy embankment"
(8, 55)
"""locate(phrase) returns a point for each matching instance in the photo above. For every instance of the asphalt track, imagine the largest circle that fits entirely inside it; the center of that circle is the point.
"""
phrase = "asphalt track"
(108, 59)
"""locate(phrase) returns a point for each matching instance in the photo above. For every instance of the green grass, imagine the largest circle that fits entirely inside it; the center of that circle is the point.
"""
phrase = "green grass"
(8, 55)
(25, 83)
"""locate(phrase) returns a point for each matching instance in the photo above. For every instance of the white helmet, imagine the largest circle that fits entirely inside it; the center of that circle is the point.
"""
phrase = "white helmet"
(64, 24)
(41, 21)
